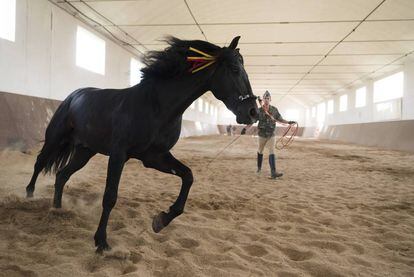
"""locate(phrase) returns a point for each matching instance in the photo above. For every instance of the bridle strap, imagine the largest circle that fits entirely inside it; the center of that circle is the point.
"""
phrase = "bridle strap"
(204, 54)
(248, 96)
(200, 62)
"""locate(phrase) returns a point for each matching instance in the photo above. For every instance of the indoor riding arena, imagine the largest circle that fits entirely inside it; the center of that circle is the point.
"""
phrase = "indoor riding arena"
(207, 138)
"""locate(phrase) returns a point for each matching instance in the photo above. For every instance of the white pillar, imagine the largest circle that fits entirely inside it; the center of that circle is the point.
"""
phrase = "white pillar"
(408, 97)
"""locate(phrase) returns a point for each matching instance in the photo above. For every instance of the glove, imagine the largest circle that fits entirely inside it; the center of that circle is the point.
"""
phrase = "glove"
(291, 122)
(243, 131)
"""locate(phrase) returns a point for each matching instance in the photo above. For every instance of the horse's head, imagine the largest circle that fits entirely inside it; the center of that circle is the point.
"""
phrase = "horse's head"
(227, 78)
(231, 85)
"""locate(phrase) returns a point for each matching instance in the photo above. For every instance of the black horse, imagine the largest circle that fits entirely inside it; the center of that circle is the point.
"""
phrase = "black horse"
(143, 121)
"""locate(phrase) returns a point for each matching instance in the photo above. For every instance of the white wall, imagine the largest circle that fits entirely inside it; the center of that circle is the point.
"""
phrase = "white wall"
(403, 108)
(289, 103)
(225, 116)
(203, 116)
(352, 114)
(42, 59)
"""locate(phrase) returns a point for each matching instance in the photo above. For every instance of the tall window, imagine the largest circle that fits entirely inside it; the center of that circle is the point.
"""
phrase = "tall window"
(198, 126)
(330, 106)
(90, 51)
(8, 19)
(390, 87)
(321, 112)
(135, 73)
(360, 97)
(200, 104)
(343, 103)
(207, 108)
(313, 111)
(292, 114)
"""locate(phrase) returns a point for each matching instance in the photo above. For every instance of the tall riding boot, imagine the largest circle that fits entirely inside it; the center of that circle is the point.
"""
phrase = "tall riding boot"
(259, 162)
(272, 163)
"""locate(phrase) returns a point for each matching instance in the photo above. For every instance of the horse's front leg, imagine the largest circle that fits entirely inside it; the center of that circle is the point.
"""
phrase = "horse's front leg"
(168, 164)
(115, 166)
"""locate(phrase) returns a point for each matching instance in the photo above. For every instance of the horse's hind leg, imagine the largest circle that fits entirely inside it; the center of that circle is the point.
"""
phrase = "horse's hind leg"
(38, 167)
(79, 159)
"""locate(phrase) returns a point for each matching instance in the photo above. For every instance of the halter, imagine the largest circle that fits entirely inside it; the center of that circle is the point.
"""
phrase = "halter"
(248, 96)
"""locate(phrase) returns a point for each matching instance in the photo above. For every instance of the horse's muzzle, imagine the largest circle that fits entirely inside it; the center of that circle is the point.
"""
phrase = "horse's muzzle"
(254, 114)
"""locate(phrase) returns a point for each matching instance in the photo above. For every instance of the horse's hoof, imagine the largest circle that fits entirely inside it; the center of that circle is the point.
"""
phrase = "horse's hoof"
(29, 194)
(101, 248)
(157, 222)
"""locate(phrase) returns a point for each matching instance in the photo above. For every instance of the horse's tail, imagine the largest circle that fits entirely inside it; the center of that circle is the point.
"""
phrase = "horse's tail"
(58, 147)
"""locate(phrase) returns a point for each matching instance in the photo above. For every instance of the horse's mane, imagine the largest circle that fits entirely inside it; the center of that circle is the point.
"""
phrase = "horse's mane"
(172, 61)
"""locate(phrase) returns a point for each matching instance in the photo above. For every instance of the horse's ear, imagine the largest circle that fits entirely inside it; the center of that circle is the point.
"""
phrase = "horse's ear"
(234, 42)
(238, 49)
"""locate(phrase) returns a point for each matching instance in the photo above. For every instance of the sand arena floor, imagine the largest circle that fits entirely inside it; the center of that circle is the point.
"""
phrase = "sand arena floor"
(340, 210)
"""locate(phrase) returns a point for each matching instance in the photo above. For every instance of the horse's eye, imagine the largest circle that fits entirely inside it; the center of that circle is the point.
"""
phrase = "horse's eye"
(235, 68)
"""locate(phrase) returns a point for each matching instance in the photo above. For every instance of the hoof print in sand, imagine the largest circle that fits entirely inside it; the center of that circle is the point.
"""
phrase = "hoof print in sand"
(297, 255)
(255, 250)
(188, 243)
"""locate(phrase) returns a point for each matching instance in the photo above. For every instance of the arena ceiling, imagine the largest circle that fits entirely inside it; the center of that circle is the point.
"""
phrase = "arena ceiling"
(306, 49)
